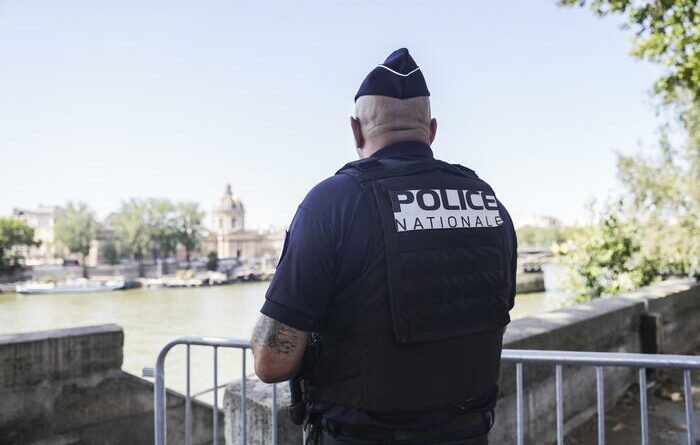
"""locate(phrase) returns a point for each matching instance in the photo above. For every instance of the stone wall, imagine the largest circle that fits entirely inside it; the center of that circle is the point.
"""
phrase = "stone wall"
(130, 272)
(529, 282)
(663, 318)
(67, 387)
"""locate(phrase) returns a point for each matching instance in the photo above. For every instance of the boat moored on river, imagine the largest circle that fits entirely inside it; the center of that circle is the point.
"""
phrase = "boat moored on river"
(70, 287)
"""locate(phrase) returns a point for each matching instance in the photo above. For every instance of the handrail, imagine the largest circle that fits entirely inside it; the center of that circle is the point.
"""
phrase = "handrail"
(586, 358)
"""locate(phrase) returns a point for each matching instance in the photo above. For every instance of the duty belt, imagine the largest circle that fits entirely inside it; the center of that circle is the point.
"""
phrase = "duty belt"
(465, 426)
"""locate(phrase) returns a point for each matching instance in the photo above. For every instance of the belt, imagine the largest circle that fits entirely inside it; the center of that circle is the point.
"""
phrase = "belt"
(465, 426)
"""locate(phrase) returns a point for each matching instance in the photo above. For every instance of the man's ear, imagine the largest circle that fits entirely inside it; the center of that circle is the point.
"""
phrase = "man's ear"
(357, 132)
(433, 129)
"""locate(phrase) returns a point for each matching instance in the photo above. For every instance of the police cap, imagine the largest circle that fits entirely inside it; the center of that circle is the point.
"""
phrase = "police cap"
(398, 77)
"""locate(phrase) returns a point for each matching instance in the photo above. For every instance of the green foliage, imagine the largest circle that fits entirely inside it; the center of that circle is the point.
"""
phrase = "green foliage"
(14, 233)
(130, 224)
(75, 228)
(667, 32)
(110, 253)
(651, 232)
(212, 261)
(156, 226)
(188, 226)
(160, 223)
(664, 198)
(606, 259)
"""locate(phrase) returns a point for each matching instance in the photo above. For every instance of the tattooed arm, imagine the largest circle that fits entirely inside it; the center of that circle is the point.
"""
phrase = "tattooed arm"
(278, 349)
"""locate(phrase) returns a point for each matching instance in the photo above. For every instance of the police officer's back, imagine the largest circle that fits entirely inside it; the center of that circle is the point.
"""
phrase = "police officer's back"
(394, 286)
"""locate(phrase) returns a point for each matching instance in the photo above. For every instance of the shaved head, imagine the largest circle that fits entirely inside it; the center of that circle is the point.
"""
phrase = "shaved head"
(383, 120)
(381, 114)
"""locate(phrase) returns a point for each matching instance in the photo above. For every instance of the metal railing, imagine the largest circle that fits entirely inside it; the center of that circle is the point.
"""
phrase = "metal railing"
(159, 392)
(520, 357)
(601, 360)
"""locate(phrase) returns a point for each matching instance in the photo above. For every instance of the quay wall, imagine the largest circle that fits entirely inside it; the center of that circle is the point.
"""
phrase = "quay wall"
(663, 318)
(529, 282)
(130, 272)
(66, 387)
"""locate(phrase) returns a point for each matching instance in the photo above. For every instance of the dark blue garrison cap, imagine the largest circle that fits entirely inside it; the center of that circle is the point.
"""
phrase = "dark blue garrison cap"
(398, 77)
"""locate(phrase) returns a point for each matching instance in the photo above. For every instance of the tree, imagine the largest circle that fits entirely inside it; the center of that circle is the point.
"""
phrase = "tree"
(75, 228)
(160, 221)
(110, 253)
(212, 261)
(663, 197)
(606, 259)
(14, 233)
(188, 223)
(667, 32)
(131, 227)
(651, 231)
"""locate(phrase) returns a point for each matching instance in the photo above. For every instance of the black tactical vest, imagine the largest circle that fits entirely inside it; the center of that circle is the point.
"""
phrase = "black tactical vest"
(422, 328)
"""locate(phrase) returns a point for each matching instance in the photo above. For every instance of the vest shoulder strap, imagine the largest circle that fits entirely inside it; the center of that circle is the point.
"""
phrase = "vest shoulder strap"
(370, 169)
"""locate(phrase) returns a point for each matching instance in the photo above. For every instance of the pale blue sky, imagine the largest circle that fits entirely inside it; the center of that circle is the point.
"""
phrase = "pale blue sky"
(101, 101)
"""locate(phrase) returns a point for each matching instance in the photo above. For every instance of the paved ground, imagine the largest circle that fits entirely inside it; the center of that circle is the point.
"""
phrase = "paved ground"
(666, 414)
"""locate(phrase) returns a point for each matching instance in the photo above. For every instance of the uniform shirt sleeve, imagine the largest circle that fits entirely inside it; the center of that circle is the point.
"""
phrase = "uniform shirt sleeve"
(512, 251)
(513, 268)
(303, 282)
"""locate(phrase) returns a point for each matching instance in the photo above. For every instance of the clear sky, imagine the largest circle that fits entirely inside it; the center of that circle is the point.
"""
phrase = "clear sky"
(101, 101)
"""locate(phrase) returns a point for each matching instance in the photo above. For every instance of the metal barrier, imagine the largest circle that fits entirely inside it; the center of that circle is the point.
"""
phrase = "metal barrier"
(519, 357)
(601, 360)
(159, 393)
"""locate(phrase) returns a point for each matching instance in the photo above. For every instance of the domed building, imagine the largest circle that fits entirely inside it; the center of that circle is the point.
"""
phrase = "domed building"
(230, 239)
(228, 217)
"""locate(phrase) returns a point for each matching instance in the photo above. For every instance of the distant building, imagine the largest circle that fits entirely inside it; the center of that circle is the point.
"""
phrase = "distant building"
(42, 220)
(229, 238)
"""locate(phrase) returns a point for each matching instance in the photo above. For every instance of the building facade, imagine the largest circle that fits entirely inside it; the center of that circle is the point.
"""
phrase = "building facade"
(42, 220)
(229, 237)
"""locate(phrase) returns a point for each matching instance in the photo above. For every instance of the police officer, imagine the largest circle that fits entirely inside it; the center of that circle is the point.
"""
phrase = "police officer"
(392, 294)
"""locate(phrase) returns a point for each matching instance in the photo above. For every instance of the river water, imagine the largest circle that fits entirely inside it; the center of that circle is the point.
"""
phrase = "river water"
(152, 317)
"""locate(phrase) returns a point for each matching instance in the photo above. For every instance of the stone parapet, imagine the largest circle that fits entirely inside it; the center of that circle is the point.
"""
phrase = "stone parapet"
(66, 387)
(31, 358)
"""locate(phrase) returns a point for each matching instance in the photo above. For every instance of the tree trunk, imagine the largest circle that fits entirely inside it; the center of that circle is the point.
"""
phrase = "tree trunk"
(139, 261)
(85, 272)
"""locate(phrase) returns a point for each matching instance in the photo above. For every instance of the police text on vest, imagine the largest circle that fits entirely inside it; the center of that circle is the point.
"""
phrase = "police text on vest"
(444, 209)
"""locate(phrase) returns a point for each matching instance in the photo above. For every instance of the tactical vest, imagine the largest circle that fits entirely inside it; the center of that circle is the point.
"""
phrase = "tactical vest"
(422, 327)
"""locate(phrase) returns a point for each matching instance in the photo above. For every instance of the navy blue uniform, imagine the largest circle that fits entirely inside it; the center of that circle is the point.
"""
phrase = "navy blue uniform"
(330, 243)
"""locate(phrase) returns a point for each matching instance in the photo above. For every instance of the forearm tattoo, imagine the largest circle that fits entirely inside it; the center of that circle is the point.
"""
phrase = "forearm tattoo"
(275, 335)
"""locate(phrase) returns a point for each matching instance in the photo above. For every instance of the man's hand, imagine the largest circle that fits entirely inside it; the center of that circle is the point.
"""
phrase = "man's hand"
(278, 350)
